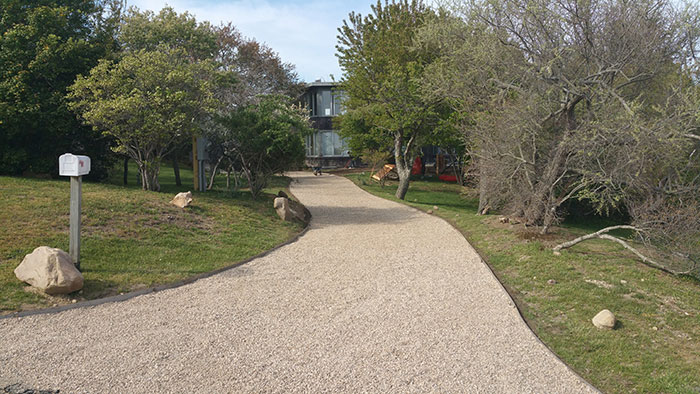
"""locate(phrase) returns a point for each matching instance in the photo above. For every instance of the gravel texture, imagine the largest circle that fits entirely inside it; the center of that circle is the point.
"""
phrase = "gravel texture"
(376, 296)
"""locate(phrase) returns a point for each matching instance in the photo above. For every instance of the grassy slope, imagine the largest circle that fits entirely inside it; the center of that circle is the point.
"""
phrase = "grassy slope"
(131, 239)
(655, 348)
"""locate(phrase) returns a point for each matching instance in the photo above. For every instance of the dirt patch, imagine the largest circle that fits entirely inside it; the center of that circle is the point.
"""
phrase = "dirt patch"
(534, 235)
(600, 283)
(132, 225)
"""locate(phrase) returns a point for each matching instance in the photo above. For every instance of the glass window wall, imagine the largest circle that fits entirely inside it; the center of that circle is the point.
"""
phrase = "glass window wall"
(326, 143)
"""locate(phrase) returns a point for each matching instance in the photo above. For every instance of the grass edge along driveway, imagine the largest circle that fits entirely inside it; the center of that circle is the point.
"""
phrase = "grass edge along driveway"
(131, 239)
(656, 345)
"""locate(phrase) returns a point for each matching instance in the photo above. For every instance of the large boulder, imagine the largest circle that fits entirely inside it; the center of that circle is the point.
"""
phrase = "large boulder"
(604, 319)
(51, 270)
(182, 199)
(290, 210)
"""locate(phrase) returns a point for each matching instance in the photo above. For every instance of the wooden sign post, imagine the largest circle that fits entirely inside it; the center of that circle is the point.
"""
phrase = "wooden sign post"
(76, 195)
(74, 167)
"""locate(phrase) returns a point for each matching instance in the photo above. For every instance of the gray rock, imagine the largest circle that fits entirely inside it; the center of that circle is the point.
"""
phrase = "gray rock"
(604, 319)
(290, 210)
(281, 205)
(51, 270)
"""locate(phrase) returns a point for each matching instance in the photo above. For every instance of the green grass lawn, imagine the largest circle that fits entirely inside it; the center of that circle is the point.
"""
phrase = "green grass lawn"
(656, 345)
(132, 239)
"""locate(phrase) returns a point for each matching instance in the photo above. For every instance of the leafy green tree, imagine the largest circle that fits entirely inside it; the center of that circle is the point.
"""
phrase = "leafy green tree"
(382, 74)
(147, 101)
(266, 138)
(43, 46)
(150, 31)
(260, 72)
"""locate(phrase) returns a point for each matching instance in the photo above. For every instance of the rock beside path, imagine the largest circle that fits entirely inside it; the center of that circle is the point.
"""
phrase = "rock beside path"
(604, 319)
(51, 270)
(291, 210)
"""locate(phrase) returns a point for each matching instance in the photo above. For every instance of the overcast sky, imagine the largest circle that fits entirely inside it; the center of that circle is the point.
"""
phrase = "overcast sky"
(302, 32)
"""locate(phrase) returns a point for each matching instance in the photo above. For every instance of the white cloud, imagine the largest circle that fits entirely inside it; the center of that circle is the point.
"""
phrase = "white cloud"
(304, 33)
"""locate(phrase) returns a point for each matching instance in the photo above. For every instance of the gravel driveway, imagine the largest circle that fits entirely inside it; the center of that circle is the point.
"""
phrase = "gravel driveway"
(376, 296)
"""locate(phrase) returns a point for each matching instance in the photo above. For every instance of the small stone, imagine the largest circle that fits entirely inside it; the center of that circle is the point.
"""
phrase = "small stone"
(604, 319)
(557, 253)
(552, 282)
(73, 301)
(622, 281)
(430, 211)
(182, 199)
(435, 207)
(642, 280)
(534, 277)
(655, 328)
(457, 215)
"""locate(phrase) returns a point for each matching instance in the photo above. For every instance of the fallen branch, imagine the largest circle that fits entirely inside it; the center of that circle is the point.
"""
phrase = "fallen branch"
(597, 234)
(601, 234)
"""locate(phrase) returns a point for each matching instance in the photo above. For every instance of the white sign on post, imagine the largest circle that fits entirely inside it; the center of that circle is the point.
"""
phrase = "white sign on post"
(74, 167)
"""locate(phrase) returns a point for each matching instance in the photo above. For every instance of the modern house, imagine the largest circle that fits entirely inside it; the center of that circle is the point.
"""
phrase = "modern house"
(325, 148)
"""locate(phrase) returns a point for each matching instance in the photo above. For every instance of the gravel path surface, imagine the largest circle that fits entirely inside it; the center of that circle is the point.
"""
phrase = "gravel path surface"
(376, 296)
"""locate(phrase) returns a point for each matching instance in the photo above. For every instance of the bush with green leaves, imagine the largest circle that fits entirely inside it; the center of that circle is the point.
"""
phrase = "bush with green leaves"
(265, 138)
(43, 46)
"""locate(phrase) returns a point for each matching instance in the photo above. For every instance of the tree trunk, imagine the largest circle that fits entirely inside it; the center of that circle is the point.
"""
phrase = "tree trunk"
(541, 210)
(213, 173)
(483, 199)
(457, 168)
(149, 177)
(543, 204)
(403, 186)
(404, 160)
(176, 170)
(256, 183)
(126, 170)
